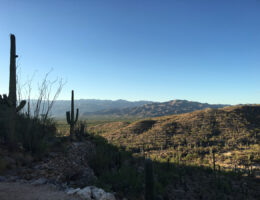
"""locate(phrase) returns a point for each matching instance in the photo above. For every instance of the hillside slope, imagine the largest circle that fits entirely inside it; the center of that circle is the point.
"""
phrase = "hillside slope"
(156, 109)
(233, 132)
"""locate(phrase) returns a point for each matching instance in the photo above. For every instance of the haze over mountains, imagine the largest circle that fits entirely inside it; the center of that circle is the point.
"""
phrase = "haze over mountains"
(91, 108)
(93, 105)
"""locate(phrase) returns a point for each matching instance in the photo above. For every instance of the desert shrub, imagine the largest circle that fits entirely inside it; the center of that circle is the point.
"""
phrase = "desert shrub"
(3, 166)
(36, 135)
(115, 168)
(126, 180)
(81, 129)
(3, 129)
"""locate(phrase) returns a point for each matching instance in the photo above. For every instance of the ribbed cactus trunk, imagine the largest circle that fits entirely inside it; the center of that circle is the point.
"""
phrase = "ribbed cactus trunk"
(70, 117)
(72, 124)
(12, 95)
(11, 100)
(12, 79)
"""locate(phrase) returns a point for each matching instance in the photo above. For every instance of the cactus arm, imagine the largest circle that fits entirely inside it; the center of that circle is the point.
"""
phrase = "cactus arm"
(28, 109)
(68, 117)
(7, 100)
(21, 105)
(77, 116)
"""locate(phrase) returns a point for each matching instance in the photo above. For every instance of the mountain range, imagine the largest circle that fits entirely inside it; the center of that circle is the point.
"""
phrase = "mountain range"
(117, 109)
(154, 109)
(92, 105)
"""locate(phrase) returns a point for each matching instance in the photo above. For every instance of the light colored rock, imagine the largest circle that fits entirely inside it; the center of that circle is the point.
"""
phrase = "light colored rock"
(72, 191)
(91, 193)
(85, 193)
(97, 193)
(40, 181)
(108, 196)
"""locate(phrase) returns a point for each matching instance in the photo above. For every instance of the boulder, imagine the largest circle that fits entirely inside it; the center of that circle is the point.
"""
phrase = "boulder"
(91, 193)
(72, 191)
(107, 196)
(40, 181)
(85, 193)
(97, 193)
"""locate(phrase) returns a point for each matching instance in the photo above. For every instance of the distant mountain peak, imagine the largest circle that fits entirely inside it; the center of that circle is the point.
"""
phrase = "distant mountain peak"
(155, 109)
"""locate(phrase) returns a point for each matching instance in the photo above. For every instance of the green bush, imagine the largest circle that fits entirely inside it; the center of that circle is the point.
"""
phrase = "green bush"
(35, 135)
(32, 134)
(116, 170)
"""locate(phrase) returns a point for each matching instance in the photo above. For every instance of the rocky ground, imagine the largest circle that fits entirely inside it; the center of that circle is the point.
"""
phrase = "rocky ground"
(27, 191)
(42, 190)
(54, 177)
(69, 165)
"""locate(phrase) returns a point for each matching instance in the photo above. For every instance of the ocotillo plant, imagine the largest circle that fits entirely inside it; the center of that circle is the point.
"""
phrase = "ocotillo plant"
(149, 180)
(70, 117)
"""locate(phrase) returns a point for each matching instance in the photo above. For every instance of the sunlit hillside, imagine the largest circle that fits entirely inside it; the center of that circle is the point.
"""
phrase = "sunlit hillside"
(231, 132)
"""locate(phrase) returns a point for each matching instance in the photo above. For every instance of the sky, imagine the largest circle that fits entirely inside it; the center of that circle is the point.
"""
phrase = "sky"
(158, 50)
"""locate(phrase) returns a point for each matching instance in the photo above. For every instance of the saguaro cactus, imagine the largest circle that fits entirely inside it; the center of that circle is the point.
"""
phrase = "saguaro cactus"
(11, 100)
(12, 80)
(70, 116)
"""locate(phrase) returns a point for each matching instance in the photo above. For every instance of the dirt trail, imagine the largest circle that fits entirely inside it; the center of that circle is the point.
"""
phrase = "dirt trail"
(25, 191)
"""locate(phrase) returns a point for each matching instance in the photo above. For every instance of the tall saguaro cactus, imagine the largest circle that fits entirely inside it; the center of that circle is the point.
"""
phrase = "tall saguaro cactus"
(12, 80)
(70, 116)
(11, 100)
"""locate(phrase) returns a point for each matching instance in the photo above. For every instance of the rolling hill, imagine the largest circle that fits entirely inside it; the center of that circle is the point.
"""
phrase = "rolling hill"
(232, 132)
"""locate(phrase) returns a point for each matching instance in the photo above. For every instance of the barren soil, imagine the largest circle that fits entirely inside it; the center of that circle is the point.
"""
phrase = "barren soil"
(25, 191)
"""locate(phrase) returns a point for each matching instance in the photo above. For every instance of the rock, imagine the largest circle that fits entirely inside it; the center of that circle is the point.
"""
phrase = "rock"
(37, 167)
(72, 191)
(9, 162)
(85, 193)
(98, 193)
(13, 178)
(22, 159)
(2, 178)
(91, 193)
(27, 159)
(88, 177)
(108, 196)
(40, 181)
(140, 169)
(79, 176)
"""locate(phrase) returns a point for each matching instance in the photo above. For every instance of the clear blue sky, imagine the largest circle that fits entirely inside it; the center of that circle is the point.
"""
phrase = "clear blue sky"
(201, 50)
